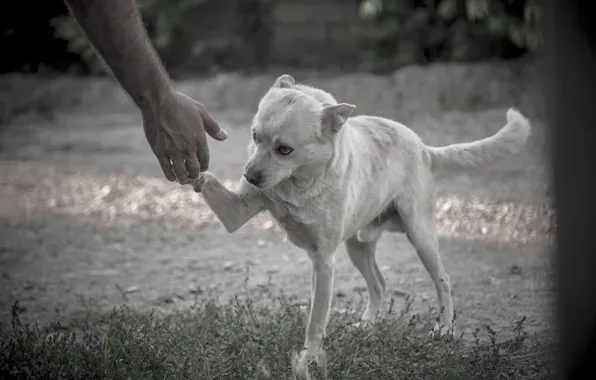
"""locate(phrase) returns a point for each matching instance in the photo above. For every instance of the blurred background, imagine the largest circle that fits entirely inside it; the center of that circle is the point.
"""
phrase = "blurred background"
(370, 35)
(256, 36)
(85, 212)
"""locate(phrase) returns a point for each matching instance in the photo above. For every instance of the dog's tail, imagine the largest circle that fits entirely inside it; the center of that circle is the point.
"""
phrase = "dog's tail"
(478, 154)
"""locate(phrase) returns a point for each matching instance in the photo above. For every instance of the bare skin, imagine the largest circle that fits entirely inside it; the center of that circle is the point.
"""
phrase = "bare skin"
(174, 124)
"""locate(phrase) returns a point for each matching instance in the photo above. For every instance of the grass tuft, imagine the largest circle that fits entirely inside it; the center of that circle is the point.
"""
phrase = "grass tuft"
(243, 340)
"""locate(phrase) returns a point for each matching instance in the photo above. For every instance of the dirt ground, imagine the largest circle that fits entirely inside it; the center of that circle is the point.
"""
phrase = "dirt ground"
(86, 216)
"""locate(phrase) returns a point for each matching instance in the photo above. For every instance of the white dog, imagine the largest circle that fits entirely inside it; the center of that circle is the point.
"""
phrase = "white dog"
(329, 178)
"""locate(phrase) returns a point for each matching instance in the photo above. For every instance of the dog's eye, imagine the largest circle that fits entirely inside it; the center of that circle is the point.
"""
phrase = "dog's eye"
(284, 150)
(254, 136)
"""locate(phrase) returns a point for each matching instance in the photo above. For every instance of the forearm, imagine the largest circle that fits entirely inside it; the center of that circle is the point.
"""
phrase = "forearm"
(115, 29)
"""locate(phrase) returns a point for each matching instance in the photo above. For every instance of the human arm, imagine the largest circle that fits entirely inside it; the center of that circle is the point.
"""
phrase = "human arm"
(174, 124)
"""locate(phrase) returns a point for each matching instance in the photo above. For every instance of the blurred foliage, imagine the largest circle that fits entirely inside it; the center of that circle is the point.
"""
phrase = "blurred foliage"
(253, 27)
(423, 31)
(165, 20)
(162, 19)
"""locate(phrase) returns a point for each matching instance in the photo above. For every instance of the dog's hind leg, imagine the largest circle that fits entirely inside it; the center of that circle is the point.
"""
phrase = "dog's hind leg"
(370, 233)
(362, 255)
(389, 221)
(417, 216)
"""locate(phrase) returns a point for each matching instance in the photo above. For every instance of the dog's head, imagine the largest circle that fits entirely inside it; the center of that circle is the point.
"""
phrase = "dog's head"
(292, 130)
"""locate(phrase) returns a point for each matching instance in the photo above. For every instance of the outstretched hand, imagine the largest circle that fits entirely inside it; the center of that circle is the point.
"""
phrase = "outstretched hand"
(176, 132)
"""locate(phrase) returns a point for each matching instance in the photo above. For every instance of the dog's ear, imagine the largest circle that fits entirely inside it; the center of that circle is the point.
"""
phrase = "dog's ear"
(284, 81)
(334, 116)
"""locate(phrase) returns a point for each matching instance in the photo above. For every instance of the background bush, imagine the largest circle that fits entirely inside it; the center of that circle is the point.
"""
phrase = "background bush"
(423, 31)
(394, 33)
(165, 21)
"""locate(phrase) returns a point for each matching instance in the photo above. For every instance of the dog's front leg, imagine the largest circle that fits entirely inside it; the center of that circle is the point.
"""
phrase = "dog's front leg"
(232, 209)
(323, 272)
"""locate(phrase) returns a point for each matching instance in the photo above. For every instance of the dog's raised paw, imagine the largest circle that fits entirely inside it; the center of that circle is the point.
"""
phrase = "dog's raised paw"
(199, 182)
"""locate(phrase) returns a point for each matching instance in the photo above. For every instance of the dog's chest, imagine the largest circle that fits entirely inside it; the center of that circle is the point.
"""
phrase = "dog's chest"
(300, 227)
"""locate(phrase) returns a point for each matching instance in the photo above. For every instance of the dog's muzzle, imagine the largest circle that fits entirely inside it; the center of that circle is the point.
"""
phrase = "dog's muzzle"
(254, 178)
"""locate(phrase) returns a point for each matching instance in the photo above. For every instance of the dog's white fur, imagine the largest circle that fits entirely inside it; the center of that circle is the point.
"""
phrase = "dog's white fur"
(347, 180)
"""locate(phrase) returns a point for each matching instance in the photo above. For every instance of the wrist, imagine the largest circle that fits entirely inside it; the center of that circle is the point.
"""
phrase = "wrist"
(154, 96)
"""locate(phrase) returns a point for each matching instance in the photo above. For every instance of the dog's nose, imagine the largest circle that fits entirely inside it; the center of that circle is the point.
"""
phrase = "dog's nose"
(253, 178)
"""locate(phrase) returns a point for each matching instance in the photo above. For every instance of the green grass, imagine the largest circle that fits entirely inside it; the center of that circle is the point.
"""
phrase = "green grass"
(242, 340)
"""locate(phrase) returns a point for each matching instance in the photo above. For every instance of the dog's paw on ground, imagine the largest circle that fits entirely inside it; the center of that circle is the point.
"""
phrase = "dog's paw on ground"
(307, 363)
(441, 331)
(363, 324)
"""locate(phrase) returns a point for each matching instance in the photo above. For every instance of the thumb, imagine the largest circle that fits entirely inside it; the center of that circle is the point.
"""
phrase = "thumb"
(212, 128)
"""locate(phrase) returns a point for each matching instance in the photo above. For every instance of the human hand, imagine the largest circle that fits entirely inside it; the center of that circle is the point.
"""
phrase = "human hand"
(176, 133)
